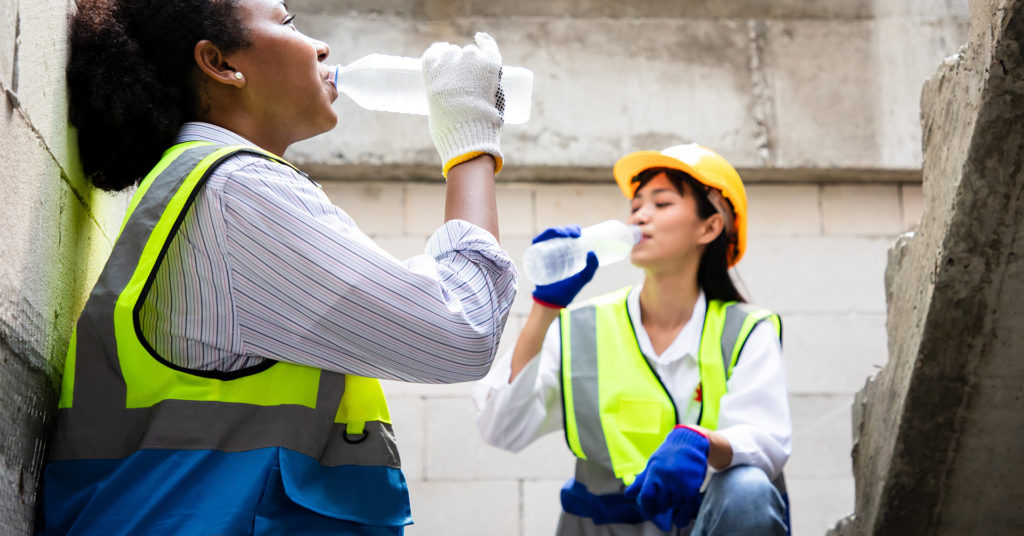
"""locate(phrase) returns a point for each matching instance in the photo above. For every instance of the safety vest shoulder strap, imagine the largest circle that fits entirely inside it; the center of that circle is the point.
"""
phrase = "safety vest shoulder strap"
(727, 325)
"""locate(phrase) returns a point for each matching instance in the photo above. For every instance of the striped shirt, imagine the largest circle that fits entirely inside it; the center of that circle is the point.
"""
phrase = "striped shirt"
(264, 266)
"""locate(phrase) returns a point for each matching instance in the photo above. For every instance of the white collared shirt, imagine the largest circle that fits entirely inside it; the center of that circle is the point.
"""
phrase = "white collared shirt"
(753, 416)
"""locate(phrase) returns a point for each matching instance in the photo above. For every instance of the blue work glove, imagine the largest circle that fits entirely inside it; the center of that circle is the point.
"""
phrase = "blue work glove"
(672, 479)
(561, 293)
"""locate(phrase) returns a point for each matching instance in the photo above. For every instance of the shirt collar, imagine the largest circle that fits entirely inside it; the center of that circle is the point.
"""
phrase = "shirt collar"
(685, 344)
(199, 131)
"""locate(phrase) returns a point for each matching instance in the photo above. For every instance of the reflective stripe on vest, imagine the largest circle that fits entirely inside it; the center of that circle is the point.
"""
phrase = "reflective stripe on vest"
(119, 396)
(617, 411)
(616, 428)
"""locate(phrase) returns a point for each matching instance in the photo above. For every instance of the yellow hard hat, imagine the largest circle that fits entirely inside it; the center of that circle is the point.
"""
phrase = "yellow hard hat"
(704, 165)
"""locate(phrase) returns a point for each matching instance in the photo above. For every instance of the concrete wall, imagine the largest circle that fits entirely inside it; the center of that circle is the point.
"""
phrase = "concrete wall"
(938, 432)
(786, 90)
(57, 231)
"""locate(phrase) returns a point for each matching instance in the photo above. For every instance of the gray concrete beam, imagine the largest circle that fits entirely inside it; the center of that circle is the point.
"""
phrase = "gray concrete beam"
(939, 432)
(694, 9)
(782, 98)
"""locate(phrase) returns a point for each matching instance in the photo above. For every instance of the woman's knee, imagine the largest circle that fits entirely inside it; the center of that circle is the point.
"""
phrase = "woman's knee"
(743, 480)
(742, 500)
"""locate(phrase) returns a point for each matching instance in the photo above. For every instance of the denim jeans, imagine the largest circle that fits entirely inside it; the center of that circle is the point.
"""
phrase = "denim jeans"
(741, 500)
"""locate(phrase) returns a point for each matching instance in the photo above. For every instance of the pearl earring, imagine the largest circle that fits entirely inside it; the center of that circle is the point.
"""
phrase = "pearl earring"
(238, 76)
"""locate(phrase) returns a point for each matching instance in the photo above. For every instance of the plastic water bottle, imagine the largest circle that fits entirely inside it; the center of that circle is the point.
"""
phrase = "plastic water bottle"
(556, 259)
(395, 84)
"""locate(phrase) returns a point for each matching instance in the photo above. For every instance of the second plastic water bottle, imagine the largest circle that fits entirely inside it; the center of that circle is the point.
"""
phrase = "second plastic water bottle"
(395, 84)
(556, 259)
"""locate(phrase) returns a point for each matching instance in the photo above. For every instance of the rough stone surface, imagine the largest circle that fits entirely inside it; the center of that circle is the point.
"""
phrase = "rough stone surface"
(938, 433)
(57, 232)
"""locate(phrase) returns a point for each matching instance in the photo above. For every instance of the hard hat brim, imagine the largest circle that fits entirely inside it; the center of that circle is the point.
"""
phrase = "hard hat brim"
(632, 164)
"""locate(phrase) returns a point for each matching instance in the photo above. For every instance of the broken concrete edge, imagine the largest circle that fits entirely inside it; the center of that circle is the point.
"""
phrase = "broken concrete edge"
(901, 462)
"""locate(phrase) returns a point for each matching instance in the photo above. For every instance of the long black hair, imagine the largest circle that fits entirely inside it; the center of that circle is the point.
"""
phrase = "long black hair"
(713, 271)
(133, 80)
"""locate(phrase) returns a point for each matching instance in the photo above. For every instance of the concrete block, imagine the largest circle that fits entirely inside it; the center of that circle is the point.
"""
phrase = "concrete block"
(636, 9)
(589, 73)
(407, 416)
(515, 210)
(821, 436)
(541, 506)
(923, 36)
(833, 353)
(464, 508)
(9, 31)
(912, 196)
(456, 452)
(825, 118)
(923, 10)
(816, 274)
(377, 209)
(783, 210)
(41, 86)
(424, 208)
(57, 236)
(26, 396)
(817, 503)
(581, 205)
(861, 210)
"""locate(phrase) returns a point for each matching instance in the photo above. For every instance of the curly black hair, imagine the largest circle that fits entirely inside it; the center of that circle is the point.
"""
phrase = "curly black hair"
(133, 80)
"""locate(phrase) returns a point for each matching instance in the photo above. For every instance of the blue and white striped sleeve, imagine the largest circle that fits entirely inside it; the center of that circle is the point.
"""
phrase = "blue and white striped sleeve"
(309, 287)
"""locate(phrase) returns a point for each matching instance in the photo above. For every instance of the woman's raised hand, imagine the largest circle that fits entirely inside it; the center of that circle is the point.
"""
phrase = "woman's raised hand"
(463, 86)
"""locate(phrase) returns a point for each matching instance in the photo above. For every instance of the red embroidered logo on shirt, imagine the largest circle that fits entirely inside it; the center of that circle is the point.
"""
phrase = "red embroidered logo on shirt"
(698, 395)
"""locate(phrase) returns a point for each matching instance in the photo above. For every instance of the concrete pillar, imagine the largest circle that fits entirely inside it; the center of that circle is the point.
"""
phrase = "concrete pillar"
(56, 233)
(938, 434)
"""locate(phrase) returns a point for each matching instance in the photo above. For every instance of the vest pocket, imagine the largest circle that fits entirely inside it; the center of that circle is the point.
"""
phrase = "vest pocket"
(639, 416)
(364, 494)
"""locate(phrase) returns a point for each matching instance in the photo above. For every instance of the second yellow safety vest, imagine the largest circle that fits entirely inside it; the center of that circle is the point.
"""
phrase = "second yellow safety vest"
(617, 410)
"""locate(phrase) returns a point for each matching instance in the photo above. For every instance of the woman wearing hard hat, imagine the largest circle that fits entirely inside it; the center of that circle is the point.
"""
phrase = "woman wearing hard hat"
(658, 385)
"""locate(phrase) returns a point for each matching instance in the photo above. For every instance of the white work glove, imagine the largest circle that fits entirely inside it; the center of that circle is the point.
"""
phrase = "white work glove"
(466, 100)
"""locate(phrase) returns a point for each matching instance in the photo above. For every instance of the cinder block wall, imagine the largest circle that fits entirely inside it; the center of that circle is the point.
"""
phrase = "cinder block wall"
(816, 255)
(56, 233)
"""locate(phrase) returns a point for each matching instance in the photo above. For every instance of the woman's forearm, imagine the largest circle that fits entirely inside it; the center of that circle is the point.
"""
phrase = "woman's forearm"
(531, 338)
(470, 194)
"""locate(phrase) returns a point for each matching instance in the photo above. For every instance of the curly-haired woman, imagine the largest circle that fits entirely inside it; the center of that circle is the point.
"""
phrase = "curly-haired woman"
(219, 378)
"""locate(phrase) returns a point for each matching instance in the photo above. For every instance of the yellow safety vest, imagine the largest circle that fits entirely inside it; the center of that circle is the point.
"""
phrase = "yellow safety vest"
(119, 396)
(617, 410)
